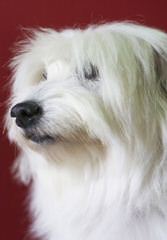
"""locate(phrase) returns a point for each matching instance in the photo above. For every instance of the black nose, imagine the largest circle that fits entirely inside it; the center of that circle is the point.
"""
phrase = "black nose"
(26, 113)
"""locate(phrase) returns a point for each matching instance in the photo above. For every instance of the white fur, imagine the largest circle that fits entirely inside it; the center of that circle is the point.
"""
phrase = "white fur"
(105, 177)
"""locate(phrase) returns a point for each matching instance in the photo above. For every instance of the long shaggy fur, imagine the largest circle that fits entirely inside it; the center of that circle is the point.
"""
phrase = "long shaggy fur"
(104, 94)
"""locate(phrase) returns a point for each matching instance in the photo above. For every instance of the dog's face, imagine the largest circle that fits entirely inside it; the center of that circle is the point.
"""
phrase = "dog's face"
(88, 86)
(55, 97)
(59, 107)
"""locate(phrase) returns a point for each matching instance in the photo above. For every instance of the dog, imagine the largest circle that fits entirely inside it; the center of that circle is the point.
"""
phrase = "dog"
(88, 111)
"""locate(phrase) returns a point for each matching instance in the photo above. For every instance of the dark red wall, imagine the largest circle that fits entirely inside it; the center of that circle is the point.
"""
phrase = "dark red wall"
(56, 14)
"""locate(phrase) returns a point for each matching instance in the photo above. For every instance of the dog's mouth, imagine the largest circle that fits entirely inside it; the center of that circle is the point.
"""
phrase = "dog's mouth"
(39, 138)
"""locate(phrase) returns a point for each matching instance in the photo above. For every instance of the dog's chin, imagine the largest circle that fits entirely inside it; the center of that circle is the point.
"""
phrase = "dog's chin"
(40, 139)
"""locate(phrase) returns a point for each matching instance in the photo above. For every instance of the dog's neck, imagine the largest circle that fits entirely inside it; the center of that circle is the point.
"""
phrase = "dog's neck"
(85, 165)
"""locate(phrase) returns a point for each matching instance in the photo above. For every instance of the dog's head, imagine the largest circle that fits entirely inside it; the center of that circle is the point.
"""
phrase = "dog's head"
(95, 86)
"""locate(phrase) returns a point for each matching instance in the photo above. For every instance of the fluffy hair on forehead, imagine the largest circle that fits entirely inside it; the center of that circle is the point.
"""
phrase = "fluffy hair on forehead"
(109, 47)
(103, 91)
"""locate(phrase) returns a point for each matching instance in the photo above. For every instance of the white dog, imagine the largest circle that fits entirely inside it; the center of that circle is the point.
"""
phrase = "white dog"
(89, 114)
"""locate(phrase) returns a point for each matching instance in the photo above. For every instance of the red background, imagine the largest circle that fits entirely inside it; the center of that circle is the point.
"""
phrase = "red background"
(57, 14)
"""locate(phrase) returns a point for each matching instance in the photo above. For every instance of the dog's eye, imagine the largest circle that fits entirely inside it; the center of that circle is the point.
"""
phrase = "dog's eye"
(44, 76)
(90, 72)
(89, 76)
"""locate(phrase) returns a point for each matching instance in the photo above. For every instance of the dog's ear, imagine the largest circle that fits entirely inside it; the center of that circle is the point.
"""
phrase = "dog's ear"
(160, 68)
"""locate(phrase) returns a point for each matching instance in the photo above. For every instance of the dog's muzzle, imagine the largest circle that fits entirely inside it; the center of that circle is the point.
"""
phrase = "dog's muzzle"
(27, 113)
